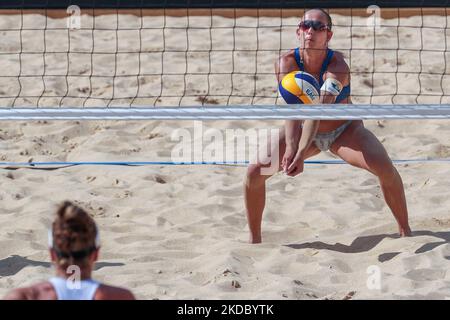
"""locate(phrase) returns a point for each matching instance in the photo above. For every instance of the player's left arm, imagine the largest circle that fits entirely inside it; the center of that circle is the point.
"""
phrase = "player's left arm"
(335, 79)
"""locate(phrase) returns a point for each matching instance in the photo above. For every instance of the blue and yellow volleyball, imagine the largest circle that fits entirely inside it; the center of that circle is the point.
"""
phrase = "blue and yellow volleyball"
(299, 87)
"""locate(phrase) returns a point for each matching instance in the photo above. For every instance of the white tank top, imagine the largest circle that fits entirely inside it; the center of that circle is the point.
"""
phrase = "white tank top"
(68, 290)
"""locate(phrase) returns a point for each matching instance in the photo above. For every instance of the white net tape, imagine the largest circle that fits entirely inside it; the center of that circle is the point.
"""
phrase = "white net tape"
(236, 112)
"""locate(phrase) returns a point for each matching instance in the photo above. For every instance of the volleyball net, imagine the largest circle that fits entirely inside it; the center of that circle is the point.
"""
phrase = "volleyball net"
(139, 60)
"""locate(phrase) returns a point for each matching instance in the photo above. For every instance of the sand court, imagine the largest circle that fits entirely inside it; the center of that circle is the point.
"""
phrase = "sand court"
(180, 232)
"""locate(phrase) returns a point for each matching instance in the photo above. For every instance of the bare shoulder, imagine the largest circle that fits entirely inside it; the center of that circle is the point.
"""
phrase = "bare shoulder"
(105, 292)
(17, 294)
(40, 291)
(286, 57)
(338, 62)
(285, 64)
(338, 68)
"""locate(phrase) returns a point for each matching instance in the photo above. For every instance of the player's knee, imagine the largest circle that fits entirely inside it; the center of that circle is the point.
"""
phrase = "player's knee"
(255, 174)
(390, 175)
(383, 169)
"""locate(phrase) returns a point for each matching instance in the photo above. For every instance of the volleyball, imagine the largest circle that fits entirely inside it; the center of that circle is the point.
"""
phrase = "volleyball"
(299, 87)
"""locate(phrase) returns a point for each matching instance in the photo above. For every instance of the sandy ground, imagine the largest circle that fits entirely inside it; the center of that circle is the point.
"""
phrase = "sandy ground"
(180, 232)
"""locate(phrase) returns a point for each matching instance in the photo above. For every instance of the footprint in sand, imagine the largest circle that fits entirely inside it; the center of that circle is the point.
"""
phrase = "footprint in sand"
(90, 178)
(123, 195)
(160, 221)
(349, 295)
(18, 196)
(160, 179)
(96, 211)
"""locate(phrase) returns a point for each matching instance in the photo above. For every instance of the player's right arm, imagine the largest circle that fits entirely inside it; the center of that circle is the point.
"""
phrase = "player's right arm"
(283, 66)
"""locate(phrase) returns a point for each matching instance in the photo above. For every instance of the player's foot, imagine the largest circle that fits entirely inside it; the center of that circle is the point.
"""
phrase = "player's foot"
(405, 232)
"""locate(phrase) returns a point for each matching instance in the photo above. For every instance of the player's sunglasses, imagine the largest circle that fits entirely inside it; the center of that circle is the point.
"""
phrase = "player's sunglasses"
(315, 24)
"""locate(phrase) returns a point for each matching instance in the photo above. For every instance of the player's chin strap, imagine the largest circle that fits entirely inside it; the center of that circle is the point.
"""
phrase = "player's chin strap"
(332, 86)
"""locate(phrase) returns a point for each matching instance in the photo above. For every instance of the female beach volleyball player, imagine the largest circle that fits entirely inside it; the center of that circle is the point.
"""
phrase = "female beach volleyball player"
(74, 246)
(349, 140)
